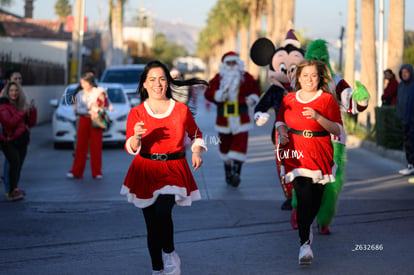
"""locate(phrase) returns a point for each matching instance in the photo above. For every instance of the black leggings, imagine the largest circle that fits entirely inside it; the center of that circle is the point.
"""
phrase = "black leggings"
(160, 229)
(309, 196)
(15, 153)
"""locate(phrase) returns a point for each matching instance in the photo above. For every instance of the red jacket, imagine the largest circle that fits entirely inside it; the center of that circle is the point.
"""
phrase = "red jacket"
(13, 121)
(390, 92)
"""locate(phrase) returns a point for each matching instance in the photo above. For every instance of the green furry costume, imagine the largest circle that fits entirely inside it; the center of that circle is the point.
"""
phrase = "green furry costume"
(318, 50)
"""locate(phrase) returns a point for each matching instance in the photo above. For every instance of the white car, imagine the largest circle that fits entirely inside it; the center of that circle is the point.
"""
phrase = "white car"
(127, 75)
(64, 119)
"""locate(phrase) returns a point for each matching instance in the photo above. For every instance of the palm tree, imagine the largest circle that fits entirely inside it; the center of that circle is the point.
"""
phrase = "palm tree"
(395, 35)
(350, 43)
(62, 9)
(116, 53)
(368, 56)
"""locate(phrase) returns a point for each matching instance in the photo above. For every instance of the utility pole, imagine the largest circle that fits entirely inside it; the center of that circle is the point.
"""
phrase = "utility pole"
(341, 48)
(77, 41)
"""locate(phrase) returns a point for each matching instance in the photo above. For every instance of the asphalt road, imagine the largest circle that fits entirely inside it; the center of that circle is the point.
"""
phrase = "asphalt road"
(85, 227)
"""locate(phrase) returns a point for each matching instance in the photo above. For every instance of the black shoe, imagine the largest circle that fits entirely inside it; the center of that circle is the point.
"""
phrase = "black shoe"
(235, 180)
(287, 205)
(228, 172)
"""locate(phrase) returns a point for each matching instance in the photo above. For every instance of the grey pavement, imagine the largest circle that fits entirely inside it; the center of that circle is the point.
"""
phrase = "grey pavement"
(85, 226)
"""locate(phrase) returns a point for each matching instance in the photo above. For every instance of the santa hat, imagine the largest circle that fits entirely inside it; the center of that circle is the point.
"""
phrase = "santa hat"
(291, 39)
(230, 56)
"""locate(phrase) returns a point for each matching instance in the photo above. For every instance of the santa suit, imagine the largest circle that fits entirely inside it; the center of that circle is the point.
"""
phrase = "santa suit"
(233, 119)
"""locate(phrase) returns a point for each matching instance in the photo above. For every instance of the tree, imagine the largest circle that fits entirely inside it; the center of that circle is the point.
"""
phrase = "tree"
(350, 43)
(116, 44)
(395, 35)
(368, 56)
(408, 48)
(167, 51)
(62, 9)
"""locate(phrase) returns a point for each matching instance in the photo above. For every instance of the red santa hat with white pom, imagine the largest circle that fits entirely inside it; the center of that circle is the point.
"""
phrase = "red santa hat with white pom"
(230, 56)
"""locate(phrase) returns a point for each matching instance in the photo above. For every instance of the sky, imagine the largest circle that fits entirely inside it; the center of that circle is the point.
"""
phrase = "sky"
(314, 19)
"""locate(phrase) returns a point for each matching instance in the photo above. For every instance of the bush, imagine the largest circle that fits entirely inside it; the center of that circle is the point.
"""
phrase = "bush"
(388, 126)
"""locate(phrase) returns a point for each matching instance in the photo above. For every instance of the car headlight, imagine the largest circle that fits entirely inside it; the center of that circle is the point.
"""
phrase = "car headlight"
(63, 118)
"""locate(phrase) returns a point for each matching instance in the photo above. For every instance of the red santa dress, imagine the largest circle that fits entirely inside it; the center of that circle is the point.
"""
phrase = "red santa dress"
(306, 156)
(146, 178)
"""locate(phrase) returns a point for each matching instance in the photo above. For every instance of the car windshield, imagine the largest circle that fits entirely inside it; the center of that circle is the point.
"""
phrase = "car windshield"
(116, 95)
(130, 76)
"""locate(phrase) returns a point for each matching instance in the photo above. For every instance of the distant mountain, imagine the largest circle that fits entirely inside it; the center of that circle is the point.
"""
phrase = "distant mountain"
(179, 32)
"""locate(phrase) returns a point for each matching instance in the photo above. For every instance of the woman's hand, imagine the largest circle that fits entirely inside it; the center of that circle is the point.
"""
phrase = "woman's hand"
(283, 138)
(310, 113)
(196, 160)
(139, 130)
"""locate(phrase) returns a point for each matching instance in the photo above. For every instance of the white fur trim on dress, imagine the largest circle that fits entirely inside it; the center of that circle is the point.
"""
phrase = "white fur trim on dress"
(316, 176)
(280, 123)
(342, 137)
(180, 193)
(199, 142)
(129, 148)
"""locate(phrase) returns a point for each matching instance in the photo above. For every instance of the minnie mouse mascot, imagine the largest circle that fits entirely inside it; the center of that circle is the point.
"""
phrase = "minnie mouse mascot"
(282, 62)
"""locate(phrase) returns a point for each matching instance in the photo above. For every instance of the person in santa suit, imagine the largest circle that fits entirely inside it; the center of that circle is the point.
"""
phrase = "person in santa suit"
(305, 126)
(234, 91)
(159, 176)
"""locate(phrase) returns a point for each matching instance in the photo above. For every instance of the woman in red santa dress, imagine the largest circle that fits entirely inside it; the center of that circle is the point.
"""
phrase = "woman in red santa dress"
(159, 176)
(305, 148)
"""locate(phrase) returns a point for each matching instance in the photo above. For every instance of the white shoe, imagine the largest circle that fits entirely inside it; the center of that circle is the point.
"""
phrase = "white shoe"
(158, 272)
(305, 254)
(407, 171)
(172, 263)
(70, 175)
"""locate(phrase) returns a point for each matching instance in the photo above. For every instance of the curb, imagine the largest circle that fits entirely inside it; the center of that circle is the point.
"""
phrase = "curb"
(396, 155)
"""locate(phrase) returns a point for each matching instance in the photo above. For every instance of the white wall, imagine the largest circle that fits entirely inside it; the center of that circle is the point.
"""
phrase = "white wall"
(42, 95)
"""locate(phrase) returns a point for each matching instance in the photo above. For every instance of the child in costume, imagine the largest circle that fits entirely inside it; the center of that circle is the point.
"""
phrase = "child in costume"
(282, 62)
(350, 101)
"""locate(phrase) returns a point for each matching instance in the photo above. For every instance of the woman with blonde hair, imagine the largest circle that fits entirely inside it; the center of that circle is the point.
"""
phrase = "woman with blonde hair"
(305, 125)
(16, 117)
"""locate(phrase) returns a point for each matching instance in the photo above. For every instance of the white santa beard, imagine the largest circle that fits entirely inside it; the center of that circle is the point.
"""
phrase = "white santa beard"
(230, 80)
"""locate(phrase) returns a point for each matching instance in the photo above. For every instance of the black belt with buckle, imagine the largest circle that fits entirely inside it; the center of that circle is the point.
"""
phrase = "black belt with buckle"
(309, 134)
(163, 157)
(231, 109)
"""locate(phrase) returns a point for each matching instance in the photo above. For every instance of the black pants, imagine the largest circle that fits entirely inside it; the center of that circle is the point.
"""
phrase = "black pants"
(408, 132)
(15, 152)
(160, 229)
(309, 196)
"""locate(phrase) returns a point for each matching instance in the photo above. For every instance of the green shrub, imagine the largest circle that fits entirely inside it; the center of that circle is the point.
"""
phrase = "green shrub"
(388, 128)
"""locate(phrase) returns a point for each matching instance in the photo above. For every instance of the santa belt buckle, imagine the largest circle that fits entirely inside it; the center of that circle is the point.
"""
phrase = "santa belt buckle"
(156, 156)
(307, 133)
(231, 108)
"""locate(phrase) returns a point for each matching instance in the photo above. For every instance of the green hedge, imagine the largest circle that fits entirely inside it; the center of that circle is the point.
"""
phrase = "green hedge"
(388, 128)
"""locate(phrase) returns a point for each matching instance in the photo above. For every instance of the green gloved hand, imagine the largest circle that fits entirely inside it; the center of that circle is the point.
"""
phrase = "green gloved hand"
(360, 93)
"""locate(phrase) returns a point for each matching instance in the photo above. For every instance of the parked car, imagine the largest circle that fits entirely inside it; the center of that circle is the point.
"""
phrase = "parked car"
(127, 75)
(64, 119)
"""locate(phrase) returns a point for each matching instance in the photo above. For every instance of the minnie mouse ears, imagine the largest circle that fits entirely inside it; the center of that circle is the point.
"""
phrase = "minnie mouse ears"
(262, 51)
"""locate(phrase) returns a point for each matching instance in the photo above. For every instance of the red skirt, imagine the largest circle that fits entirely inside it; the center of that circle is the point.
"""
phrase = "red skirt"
(146, 179)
